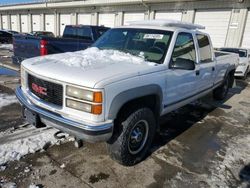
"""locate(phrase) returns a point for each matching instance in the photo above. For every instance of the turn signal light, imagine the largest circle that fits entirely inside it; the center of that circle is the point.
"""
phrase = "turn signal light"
(97, 97)
(96, 109)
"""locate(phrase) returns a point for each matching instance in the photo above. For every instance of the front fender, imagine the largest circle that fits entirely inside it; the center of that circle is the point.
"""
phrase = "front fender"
(131, 94)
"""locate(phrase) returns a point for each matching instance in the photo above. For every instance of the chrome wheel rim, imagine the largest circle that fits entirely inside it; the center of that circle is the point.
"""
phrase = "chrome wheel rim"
(138, 137)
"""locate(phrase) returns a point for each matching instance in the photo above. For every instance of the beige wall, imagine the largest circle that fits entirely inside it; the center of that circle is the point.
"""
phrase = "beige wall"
(149, 7)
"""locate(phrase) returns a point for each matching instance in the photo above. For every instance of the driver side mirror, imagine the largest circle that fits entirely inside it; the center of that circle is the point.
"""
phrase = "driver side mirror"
(184, 64)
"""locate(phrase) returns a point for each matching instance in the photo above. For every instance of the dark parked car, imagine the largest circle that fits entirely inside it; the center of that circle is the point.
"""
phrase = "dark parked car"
(42, 34)
(6, 36)
(75, 37)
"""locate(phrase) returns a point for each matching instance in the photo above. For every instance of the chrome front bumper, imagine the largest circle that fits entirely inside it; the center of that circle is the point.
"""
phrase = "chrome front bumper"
(90, 132)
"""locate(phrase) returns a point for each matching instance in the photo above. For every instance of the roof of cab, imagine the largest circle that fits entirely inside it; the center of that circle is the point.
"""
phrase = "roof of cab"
(167, 23)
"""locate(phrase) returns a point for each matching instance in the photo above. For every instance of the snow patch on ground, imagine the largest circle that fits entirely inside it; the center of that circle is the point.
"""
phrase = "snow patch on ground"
(6, 46)
(237, 156)
(226, 170)
(6, 100)
(92, 57)
(14, 145)
(34, 186)
(8, 185)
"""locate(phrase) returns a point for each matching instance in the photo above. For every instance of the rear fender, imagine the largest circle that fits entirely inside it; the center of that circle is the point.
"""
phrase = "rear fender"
(230, 73)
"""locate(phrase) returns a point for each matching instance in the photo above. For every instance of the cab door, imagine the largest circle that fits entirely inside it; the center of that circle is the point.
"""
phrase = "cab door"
(183, 76)
(206, 63)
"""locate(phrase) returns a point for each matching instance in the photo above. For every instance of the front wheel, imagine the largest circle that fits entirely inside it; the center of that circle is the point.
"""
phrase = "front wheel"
(135, 137)
(220, 93)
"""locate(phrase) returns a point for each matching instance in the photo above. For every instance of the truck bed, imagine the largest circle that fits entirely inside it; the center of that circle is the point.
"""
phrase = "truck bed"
(75, 38)
(27, 46)
(226, 56)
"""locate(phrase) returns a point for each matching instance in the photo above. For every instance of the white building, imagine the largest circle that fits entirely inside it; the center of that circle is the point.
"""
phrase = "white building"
(227, 21)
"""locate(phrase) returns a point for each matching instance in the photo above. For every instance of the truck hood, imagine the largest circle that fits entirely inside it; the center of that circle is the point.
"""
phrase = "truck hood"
(89, 67)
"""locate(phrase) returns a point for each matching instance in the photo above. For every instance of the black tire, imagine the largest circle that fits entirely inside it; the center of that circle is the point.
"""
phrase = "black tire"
(220, 93)
(125, 148)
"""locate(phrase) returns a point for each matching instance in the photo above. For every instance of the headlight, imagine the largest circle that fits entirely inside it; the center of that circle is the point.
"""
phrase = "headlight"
(91, 108)
(84, 94)
(86, 100)
(78, 105)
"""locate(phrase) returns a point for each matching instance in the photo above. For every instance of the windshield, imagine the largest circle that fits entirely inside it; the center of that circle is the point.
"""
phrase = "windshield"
(150, 44)
(241, 52)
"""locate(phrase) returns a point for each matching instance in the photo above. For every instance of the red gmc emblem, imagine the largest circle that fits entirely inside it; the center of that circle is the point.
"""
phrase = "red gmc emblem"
(39, 89)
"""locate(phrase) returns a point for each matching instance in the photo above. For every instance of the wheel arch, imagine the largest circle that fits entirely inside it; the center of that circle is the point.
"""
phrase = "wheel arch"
(149, 95)
(230, 72)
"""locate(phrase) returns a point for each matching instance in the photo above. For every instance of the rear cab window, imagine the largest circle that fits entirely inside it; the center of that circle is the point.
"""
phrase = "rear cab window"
(101, 31)
(204, 48)
(78, 32)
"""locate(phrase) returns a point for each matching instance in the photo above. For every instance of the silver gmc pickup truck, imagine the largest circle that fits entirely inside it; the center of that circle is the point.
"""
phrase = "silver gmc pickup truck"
(117, 90)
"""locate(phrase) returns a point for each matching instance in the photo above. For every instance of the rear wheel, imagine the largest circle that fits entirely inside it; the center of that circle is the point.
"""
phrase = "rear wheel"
(220, 93)
(135, 137)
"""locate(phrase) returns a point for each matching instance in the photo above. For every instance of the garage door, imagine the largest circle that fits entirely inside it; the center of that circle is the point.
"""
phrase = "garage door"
(5, 21)
(107, 20)
(128, 17)
(36, 22)
(50, 23)
(246, 36)
(24, 24)
(13, 20)
(65, 19)
(84, 19)
(216, 23)
(169, 15)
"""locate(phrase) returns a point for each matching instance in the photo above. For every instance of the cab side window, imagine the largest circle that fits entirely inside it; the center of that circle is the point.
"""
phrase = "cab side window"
(184, 49)
(205, 49)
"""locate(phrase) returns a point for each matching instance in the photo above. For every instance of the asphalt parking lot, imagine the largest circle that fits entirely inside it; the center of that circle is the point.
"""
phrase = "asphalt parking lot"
(204, 144)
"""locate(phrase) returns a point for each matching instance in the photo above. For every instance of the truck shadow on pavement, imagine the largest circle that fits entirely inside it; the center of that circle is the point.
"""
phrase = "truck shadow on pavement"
(175, 123)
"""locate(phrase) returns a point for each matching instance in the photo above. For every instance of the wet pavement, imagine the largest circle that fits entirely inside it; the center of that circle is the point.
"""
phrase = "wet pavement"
(8, 72)
(204, 144)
